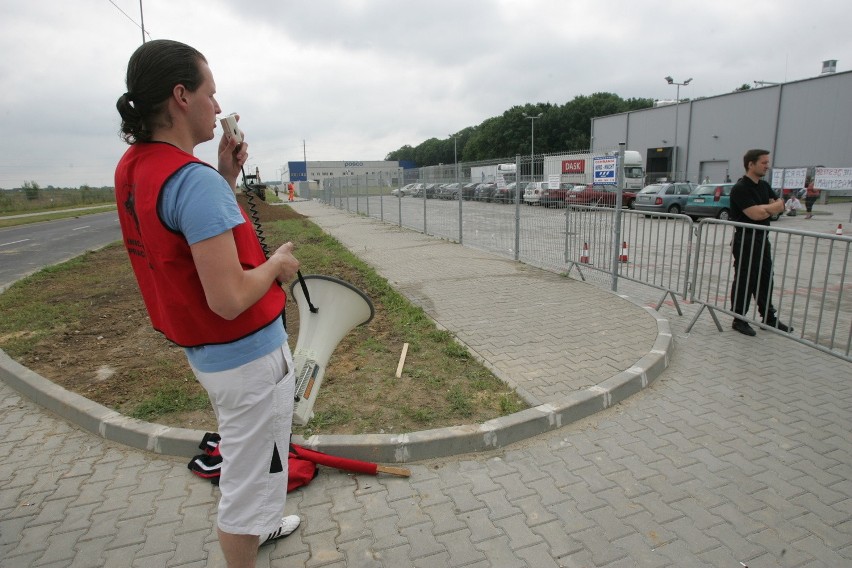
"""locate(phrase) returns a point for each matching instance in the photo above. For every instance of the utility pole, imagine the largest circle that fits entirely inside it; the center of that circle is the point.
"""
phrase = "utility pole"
(142, 17)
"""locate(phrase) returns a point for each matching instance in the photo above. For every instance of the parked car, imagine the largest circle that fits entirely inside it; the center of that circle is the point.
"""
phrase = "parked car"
(417, 190)
(554, 196)
(712, 200)
(449, 191)
(468, 190)
(709, 200)
(664, 197)
(600, 195)
(507, 194)
(532, 192)
(484, 191)
(402, 191)
(431, 190)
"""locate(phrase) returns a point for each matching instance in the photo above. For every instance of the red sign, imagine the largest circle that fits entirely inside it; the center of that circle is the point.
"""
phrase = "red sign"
(573, 166)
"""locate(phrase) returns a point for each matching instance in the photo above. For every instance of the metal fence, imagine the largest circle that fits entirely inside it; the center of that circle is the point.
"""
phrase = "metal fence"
(811, 279)
(682, 259)
(652, 250)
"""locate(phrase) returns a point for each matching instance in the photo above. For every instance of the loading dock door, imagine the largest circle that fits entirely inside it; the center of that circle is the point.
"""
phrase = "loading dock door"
(659, 164)
(717, 171)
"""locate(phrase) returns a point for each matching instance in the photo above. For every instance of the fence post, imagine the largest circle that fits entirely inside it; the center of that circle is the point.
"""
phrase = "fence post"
(616, 227)
(424, 208)
(458, 181)
(517, 207)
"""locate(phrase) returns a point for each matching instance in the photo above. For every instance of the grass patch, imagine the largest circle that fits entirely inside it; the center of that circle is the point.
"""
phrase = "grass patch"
(170, 398)
(83, 325)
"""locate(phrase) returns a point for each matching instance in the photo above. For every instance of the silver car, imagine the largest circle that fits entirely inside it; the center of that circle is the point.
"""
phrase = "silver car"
(664, 197)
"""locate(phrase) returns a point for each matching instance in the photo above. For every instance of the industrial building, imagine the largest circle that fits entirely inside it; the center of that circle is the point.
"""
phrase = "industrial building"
(803, 123)
(321, 170)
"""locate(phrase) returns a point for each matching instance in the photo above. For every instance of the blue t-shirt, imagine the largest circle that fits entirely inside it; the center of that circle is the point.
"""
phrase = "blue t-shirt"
(200, 204)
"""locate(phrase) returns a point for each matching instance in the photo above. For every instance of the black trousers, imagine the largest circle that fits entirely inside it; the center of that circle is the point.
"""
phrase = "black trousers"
(752, 273)
(809, 203)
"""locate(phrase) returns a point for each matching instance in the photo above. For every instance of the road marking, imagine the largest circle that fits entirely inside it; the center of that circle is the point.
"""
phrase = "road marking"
(13, 242)
(83, 227)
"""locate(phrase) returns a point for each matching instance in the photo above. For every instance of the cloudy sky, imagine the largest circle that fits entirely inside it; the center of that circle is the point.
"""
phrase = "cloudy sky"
(356, 79)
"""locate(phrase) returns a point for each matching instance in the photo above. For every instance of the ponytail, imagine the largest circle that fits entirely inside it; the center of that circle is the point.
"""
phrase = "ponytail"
(153, 71)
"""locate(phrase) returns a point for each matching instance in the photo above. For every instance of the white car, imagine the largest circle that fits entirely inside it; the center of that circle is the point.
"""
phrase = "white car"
(533, 191)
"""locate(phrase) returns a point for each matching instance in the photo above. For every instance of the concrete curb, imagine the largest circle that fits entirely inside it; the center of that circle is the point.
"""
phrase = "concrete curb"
(385, 448)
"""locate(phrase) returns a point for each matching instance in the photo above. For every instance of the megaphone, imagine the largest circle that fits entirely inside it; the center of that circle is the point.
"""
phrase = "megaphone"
(340, 307)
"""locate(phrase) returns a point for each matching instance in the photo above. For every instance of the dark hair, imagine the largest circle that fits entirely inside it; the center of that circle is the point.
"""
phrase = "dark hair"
(753, 156)
(153, 71)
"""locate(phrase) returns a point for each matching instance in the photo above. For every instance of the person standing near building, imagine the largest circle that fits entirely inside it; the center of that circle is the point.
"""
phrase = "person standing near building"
(207, 284)
(753, 202)
(291, 192)
(811, 195)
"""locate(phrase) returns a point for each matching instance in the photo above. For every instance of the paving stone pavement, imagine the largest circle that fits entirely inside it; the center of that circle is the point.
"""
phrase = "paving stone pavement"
(740, 453)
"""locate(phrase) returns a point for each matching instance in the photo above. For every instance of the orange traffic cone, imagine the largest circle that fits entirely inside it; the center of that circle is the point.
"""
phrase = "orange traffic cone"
(623, 256)
(584, 255)
(839, 231)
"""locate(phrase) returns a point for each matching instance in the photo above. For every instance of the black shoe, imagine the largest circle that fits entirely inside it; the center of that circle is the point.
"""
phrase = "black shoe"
(743, 327)
(774, 322)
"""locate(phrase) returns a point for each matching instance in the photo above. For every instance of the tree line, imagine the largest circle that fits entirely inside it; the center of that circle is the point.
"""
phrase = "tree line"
(31, 197)
(560, 128)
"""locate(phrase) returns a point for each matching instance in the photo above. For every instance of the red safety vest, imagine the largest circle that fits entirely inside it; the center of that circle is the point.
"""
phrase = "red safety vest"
(162, 259)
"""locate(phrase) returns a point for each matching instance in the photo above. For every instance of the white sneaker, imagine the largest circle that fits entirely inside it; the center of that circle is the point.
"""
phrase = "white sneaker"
(288, 524)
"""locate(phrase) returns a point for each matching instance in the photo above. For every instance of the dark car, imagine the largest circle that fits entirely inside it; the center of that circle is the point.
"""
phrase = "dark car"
(664, 197)
(449, 191)
(600, 195)
(468, 190)
(484, 191)
(507, 194)
(555, 196)
(431, 190)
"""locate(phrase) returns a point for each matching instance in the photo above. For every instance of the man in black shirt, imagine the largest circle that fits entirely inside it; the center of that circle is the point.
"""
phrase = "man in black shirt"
(753, 201)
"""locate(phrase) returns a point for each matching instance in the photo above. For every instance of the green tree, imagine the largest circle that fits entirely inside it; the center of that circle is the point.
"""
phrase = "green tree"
(31, 190)
(560, 128)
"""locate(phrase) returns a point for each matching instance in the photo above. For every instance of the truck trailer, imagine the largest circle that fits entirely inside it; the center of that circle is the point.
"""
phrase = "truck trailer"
(578, 169)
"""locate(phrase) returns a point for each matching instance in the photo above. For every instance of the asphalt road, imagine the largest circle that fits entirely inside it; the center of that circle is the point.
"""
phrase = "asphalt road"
(25, 249)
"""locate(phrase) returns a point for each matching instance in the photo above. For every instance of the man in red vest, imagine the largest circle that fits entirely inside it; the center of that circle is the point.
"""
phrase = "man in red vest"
(207, 284)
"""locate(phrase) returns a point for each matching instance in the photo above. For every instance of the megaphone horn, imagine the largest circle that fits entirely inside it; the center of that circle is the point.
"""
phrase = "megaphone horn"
(340, 307)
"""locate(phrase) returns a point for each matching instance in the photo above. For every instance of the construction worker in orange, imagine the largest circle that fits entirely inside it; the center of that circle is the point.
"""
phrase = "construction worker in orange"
(291, 192)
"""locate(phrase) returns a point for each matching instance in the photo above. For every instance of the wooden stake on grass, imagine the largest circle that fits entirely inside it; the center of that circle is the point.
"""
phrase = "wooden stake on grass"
(401, 361)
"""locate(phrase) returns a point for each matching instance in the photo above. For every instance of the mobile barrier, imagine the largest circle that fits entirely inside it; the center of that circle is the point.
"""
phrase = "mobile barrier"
(809, 281)
(682, 259)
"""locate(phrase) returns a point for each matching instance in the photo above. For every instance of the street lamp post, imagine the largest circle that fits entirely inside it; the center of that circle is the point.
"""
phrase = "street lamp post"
(671, 81)
(532, 144)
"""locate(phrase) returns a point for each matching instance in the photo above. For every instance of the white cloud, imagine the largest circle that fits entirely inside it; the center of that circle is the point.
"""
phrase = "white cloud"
(358, 79)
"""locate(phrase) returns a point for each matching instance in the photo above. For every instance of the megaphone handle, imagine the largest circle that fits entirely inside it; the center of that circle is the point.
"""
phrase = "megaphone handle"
(306, 293)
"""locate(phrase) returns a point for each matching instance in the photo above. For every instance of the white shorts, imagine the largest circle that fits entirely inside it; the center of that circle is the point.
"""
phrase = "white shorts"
(254, 408)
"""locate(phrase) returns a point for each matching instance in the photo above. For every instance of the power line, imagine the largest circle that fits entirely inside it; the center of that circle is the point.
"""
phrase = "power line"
(131, 19)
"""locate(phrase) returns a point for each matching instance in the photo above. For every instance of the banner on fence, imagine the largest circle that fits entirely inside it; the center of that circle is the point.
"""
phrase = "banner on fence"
(604, 170)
